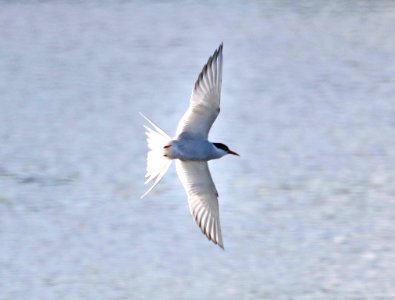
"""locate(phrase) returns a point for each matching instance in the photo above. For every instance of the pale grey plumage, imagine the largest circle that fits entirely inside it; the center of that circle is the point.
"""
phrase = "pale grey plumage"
(202, 197)
(192, 150)
(205, 100)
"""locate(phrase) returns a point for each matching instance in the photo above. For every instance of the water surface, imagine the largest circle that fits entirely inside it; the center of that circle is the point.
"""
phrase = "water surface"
(308, 210)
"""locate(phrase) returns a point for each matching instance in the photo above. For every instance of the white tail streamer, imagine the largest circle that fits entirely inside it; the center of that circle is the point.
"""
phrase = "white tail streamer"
(157, 164)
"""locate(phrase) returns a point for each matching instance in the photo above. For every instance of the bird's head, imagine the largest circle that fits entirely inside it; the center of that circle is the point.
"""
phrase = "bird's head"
(223, 149)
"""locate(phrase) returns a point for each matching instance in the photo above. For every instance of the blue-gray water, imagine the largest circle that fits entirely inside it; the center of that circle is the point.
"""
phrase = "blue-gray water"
(307, 211)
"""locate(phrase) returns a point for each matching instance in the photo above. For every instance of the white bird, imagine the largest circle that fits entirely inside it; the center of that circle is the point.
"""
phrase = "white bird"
(191, 149)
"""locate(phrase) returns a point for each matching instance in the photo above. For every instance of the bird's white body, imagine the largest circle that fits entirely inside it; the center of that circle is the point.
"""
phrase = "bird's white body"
(191, 149)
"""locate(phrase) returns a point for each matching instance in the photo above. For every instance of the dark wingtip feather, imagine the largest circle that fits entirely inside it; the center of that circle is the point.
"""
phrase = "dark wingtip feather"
(213, 58)
(207, 234)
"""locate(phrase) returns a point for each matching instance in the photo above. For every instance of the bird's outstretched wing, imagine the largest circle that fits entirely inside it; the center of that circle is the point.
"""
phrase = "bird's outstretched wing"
(202, 197)
(205, 100)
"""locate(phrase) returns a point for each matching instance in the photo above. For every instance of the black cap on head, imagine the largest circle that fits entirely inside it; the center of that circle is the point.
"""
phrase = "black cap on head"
(221, 146)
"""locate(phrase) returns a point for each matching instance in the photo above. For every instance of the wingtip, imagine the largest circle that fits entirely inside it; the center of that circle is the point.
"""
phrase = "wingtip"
(219, 49)
(219, 243)
(212, 59)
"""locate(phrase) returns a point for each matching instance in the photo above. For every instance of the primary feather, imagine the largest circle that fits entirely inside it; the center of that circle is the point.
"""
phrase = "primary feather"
(202, 197)
(205, 100)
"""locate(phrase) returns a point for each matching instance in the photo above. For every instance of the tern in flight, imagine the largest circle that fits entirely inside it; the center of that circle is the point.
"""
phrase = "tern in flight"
(191, 149)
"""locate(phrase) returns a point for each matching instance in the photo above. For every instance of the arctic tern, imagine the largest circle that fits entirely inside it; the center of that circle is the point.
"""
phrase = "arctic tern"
(191, 149)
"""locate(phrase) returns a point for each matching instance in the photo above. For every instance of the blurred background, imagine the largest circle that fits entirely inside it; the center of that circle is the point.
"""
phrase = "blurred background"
(307, 211)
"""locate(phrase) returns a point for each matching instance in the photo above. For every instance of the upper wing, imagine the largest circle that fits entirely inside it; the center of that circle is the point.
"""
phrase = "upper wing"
(202, 197)
(205, 100)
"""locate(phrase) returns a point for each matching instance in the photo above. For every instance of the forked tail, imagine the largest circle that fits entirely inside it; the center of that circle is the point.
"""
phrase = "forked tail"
(157, 164)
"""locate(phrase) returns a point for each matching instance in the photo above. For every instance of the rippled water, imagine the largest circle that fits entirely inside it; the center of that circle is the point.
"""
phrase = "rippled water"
(308, 210)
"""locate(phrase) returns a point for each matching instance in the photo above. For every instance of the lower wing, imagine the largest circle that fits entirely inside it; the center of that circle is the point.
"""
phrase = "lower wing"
(202, 197)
